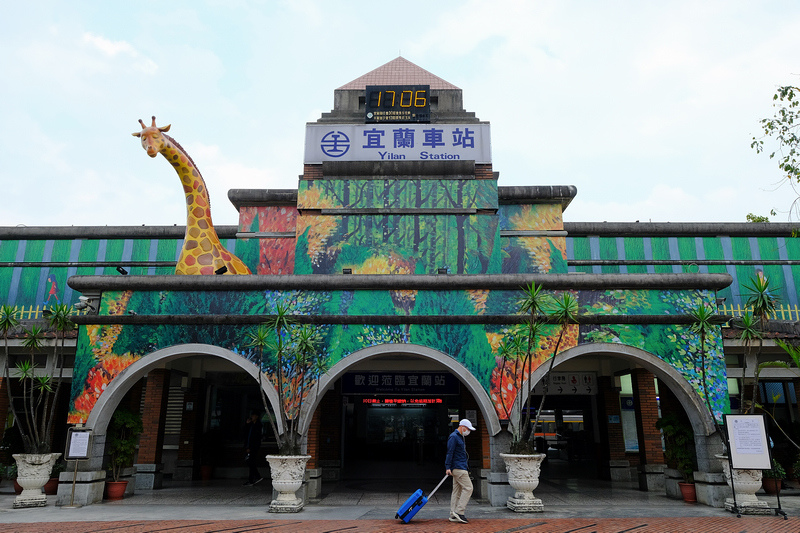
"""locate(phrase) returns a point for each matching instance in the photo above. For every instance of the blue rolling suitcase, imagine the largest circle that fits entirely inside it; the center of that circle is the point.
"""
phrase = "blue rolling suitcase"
(414, 503)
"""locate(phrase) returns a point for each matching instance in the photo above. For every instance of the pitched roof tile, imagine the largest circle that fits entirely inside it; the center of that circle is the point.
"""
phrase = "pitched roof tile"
(398, 71)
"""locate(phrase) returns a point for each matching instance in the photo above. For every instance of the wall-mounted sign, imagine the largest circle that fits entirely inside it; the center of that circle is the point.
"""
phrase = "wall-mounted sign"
(561, 383)
(397, 142)
(398, 103)
(400, 383)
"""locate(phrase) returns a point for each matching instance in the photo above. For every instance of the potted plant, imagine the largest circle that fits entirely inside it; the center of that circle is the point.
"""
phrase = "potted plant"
(293, 366)
(121, 440)
(772, 478)
(796, 469)
(679, 451)
(517, 352)
(38, 398)
(51, 487)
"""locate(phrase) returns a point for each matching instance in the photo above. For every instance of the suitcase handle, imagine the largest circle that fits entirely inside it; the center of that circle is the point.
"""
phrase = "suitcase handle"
(437, 487)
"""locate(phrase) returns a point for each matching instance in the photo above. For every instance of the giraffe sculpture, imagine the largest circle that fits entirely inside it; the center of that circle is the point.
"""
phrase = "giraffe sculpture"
(202, 251)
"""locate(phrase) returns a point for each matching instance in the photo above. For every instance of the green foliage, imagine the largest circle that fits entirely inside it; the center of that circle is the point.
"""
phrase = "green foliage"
(762, 301)
(758, 218)
(776, 472)
(679, 449)
(121, 440)
(796, 468)
(540, 308)
(296, 364)
(782, 128)
(36, 419)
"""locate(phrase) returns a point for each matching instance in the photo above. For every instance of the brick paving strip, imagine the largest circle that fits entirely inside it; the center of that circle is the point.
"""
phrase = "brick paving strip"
(766, 524)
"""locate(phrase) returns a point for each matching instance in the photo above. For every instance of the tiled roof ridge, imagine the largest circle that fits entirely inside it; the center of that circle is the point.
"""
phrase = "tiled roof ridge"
(396, 72)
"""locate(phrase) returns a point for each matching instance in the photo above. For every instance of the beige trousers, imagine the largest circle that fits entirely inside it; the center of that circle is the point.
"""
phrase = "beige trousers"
(462, 490)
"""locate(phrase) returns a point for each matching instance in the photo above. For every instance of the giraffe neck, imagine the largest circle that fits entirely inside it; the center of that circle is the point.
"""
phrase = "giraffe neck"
(198, 204)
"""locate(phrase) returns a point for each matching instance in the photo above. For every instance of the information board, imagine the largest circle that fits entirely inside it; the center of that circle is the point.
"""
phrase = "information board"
(78, 444)
(748, 443)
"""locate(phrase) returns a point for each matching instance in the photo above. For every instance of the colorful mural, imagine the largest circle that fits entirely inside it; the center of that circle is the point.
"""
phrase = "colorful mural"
(420, 233)
(104, 351)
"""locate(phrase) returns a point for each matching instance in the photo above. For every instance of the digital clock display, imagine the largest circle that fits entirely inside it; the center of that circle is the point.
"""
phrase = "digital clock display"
(398, 103)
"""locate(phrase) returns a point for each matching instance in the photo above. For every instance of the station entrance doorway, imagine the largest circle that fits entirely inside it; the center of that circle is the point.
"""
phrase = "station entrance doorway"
(397, 427)
(568, 435)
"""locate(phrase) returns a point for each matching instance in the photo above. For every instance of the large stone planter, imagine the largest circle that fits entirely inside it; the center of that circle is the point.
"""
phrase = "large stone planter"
(33, 471)
(523, 476)
(287, 477)
(745, 483)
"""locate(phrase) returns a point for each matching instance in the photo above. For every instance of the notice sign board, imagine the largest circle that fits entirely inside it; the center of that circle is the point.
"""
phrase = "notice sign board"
(747, 438)
(78, 444)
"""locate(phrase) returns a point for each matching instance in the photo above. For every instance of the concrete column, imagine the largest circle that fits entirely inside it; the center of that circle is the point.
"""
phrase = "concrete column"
(498, 489)
(91, 478)
(651, 453)
(149, 467)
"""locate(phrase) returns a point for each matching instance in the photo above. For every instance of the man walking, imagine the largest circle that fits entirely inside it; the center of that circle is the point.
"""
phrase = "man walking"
(456, 465)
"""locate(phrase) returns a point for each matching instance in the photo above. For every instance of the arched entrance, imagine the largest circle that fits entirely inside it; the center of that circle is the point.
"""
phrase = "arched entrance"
(394, 432)
(181, 391)
(110, 398)
(609, 363)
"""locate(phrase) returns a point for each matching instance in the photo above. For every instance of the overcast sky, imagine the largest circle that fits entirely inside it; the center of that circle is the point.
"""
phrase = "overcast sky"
(648, 108)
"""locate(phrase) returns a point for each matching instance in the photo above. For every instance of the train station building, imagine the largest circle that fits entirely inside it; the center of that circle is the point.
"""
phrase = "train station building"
(402, 248)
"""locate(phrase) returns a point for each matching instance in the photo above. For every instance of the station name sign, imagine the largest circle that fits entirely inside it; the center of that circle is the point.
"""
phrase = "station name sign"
(400, 383)
(397, 142)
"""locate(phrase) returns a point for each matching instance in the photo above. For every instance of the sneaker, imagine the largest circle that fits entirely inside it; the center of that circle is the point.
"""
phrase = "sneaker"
(463, 519)
(259, 480)
(454, 518)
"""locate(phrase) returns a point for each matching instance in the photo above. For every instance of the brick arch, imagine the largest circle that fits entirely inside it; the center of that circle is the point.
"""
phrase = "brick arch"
(460, 371)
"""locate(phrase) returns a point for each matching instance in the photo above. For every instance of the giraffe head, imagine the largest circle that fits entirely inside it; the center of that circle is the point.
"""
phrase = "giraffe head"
(152, 140)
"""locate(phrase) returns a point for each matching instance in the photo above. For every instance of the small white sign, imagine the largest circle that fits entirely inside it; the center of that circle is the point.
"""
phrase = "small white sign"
(78, 444)
(747, 436)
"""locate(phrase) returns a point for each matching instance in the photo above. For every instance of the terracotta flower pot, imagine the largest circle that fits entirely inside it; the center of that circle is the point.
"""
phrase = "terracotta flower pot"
(115, 490)
(688, 491)
(771, 485)
(51, 487)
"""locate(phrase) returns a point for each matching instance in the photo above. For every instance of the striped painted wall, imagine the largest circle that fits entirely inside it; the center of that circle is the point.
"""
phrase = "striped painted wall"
(34, 271)
(776, 256)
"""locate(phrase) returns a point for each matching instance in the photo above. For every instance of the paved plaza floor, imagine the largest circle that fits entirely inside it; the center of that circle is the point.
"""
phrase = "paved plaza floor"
(571, 505)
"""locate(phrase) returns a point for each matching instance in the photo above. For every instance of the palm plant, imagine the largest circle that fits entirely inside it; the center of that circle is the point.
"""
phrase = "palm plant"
(703, 323)
(9, 319)
(748, 335)
(762, 302)
(296, 366)
(38, 393)
(539, 308)
(564, 312)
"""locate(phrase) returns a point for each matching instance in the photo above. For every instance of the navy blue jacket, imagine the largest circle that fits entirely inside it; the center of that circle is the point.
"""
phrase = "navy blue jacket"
(456, 452)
